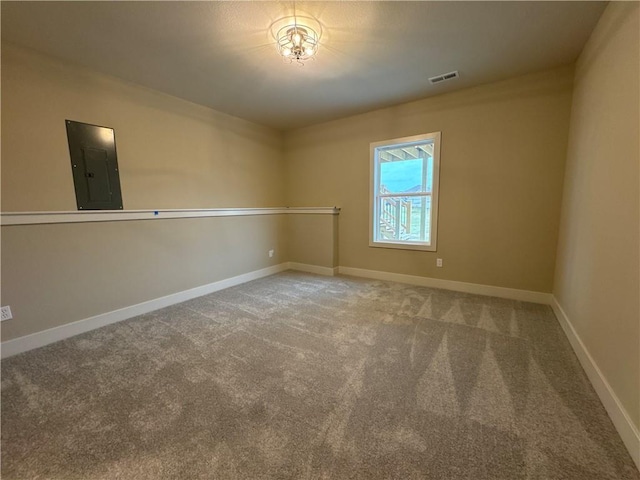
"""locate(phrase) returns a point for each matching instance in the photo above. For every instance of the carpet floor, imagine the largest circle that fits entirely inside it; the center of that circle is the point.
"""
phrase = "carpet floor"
(298, 376)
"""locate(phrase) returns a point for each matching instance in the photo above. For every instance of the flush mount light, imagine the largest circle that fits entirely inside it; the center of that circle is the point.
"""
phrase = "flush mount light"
(297, 38)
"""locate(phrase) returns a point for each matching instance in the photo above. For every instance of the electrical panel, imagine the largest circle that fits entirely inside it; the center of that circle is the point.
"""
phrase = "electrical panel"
(94, 164)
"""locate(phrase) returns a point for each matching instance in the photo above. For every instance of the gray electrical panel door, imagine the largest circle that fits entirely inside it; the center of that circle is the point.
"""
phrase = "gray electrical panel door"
(95, 166)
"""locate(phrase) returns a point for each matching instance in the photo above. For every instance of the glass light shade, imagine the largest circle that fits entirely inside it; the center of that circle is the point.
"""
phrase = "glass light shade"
(295, 39)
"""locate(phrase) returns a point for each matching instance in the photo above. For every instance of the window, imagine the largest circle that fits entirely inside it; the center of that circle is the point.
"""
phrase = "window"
(404, 193)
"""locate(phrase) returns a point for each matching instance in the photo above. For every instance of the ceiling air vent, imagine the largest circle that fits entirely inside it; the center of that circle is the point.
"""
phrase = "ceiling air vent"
(443, 77)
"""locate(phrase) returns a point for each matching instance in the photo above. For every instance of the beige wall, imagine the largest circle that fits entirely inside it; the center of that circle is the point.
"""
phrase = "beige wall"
(502, 162)
(313, 239)
(597, 279)
(171, 154)
(57, 274)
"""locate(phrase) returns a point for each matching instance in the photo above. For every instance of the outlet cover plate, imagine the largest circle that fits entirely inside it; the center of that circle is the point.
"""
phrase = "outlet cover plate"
(6, 313)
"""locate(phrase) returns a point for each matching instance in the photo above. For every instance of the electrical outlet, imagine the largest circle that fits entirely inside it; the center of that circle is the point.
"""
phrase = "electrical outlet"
(6, 313)
(438, 262)
(271, 253)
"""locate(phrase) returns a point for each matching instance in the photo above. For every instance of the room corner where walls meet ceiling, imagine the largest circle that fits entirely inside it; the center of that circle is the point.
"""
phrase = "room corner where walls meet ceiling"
(372, 55)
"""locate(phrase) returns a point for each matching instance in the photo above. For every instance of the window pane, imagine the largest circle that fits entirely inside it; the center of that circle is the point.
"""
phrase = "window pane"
(406, 168)
(401, 176)
(425, 232)
(405, 219)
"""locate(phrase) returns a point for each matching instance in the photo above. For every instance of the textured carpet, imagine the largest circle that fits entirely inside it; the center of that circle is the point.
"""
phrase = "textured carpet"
(308, 377)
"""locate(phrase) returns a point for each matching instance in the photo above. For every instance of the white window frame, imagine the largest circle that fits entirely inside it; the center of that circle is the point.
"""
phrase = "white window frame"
(374, 203)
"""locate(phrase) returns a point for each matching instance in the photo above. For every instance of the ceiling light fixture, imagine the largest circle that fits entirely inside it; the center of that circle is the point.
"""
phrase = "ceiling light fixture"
(297, 38)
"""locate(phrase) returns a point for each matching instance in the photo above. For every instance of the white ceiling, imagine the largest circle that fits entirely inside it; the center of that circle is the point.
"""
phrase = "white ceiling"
(372, 55)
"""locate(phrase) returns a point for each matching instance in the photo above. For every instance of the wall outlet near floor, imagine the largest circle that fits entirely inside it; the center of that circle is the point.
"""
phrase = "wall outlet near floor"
(270, 253)
(6, 313)
(438, 262)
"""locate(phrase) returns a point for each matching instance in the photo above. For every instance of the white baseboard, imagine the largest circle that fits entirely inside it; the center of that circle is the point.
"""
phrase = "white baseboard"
(490, 290)
(305, 267)
(618, 414)
(40, 339)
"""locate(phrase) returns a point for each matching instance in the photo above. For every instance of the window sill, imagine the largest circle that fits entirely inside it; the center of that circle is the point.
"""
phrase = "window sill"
(404, 246)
